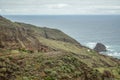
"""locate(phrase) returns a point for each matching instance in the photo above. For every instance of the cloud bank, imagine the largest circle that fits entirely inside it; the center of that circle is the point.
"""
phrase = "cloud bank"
(61, 7)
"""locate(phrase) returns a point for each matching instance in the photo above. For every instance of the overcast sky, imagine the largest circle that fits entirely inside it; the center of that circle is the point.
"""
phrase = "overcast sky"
(59, 7)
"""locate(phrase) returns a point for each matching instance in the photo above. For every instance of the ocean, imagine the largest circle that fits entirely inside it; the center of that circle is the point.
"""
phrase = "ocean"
(86, 29)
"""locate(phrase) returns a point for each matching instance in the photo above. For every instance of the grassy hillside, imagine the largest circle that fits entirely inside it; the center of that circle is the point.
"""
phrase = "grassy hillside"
(28, 52)
(49, 33)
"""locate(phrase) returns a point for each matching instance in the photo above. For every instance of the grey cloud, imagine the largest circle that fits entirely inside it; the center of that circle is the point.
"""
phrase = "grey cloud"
(60, 7)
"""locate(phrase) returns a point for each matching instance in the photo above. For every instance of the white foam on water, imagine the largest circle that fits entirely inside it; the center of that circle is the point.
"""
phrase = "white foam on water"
(110, 49)
(91, 44)
(114, 54)
(111, 52)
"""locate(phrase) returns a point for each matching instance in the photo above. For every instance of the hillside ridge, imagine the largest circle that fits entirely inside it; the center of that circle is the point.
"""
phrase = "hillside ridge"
(28, 52)
(20, 35)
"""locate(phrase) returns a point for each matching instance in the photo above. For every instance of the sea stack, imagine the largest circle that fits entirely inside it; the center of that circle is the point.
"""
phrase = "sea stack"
(100, 47)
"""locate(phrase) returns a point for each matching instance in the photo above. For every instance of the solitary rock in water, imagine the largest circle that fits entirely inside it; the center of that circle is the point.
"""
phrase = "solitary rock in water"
(100, 47)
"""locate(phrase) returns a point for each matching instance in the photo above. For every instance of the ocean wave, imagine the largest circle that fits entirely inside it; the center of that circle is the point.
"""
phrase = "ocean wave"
(116, 54)
(113, 54)
(111, 50)
(91, 44)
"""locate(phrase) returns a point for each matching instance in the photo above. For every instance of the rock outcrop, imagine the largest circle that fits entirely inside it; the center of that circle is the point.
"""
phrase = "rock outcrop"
(100, 47)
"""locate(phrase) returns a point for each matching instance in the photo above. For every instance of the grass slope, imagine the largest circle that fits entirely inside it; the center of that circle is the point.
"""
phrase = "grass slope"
(56, 65)
(65, 58)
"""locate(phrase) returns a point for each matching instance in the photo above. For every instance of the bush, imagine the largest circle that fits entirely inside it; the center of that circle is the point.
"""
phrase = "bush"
(77, 74)
(53, 73)
(14, 51)
(8, 69)
(118, 70)
(48, 71)
(50, 78)
(26, 78)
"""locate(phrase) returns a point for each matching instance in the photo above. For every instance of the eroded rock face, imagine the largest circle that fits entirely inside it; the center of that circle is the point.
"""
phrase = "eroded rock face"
(100, 47)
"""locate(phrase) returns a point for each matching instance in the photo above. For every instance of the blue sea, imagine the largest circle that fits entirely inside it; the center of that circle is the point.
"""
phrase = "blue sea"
(87, 29)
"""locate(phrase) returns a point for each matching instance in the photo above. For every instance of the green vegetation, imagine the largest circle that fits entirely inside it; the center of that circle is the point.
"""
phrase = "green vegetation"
(64, 66)
(28, 52)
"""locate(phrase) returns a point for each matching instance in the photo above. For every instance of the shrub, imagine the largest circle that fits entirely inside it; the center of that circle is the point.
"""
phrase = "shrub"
(118, 70)
(48, 71)
(77, 74)
(14, 51)
(26, 78)
(8, 69)
(49, 78)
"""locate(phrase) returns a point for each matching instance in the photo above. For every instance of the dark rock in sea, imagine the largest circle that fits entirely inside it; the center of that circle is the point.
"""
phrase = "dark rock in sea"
(100, 47)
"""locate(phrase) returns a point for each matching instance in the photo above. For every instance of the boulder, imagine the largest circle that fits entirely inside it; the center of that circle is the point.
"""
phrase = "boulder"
(100, 47)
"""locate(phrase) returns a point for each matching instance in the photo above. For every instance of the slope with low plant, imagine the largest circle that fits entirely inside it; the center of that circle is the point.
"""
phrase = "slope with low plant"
(28, 52)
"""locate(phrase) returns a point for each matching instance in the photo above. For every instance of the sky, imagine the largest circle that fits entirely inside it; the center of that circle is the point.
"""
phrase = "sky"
(59, 7)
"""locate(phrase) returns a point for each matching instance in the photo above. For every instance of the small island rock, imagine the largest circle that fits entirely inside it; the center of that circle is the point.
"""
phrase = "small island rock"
(100, 47)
